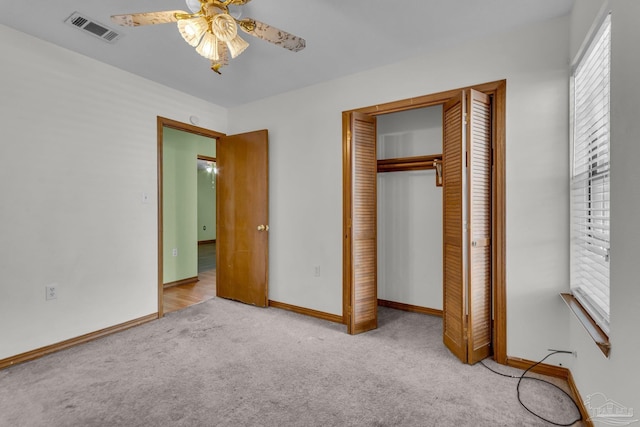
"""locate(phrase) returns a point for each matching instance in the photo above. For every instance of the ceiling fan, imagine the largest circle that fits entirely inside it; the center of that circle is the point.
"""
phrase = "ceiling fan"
(212, 30)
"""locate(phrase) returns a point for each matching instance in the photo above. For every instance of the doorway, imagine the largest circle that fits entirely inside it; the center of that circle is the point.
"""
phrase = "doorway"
(187, 294)
(409, 189)
(183, 275)
(360, 222)
(206, 171)
(241, 224)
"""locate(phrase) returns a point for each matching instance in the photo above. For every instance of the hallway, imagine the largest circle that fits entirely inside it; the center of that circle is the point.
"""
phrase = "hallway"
(182, 296)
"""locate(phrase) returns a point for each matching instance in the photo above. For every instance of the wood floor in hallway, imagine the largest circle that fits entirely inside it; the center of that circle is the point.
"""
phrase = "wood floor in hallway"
(182, 296)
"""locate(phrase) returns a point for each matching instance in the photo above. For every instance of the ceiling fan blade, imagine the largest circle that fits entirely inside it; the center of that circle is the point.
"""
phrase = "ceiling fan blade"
(147, 18)
(272, 34)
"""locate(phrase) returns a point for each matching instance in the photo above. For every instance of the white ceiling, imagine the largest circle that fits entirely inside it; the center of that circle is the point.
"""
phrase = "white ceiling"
(343, 37)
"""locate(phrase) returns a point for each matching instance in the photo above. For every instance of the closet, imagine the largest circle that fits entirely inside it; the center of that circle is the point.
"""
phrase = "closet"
(409, 199)
(472, 217)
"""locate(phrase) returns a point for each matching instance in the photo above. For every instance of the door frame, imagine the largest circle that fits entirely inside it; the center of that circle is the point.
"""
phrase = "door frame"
(213, 160)
(163, 122)
(497, 90)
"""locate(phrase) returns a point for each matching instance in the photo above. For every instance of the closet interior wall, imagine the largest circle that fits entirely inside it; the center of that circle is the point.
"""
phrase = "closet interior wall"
(410, 211)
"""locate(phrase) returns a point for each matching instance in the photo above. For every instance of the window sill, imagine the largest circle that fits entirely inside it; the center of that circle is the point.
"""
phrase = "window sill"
(597, 334)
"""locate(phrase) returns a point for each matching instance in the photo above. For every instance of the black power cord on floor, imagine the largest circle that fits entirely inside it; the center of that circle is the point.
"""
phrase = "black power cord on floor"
(522, 377)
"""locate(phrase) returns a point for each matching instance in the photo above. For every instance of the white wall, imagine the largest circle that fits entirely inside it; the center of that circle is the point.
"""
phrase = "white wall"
(305, 131)
(617, 377)
(78, 149)
(410, 211)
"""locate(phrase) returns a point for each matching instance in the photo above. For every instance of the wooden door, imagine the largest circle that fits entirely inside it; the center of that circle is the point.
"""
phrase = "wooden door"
(360, 207)
(242, 242)
(467, 226)
(479, 220)
(454, 295)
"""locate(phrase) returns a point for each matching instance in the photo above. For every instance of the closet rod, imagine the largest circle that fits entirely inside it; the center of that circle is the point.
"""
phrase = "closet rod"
(409, 163)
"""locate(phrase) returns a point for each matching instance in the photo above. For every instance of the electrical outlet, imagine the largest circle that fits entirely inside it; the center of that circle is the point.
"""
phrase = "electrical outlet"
(316, 271)
(51, 292)
(174, 252)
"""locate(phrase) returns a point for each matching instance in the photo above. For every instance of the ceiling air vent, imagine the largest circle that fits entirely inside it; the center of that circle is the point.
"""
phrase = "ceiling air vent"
(92, 27)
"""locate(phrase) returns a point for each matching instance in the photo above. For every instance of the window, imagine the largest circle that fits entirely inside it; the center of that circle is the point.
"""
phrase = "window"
(590, 202)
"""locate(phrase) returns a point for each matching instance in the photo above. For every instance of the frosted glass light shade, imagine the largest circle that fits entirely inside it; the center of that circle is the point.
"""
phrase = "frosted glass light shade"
(192, 29)
(236, 46)
(193, 5)
(224, 27)
(208, 47)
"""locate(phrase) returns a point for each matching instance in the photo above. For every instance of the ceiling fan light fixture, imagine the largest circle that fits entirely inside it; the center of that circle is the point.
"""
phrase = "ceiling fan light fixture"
(212, 29)
(193, 29)
(208, 47)
(236, 46)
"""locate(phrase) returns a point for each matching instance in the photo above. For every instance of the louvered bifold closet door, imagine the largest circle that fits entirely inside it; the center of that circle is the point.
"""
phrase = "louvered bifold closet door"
(364, 297)
(453, 312)
(479, 219)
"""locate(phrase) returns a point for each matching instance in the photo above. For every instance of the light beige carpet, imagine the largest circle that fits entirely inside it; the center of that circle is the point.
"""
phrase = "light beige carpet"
(222, 363)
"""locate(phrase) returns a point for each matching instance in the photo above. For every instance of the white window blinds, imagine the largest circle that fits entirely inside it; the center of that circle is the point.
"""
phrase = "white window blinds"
(590, 200)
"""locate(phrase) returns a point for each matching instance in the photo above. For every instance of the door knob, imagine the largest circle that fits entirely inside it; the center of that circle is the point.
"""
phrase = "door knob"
(262, 227)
